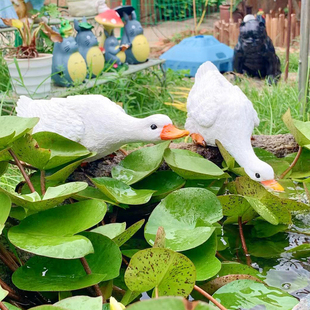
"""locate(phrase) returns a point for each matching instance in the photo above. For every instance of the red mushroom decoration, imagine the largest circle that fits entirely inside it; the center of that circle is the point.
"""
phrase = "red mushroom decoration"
(110, 19)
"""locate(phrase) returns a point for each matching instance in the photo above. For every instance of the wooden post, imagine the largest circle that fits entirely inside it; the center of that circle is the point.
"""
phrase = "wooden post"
(303, 58)
(268, 24)
(288, 40)
(274, 30)
(195, 16)
(280, 32)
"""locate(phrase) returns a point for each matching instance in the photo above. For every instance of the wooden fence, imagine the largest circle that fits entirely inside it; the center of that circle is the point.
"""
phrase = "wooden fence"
(276, 29)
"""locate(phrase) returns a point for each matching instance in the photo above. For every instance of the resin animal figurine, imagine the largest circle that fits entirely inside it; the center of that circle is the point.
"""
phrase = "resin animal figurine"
(96, 122)
(217, 110)
(88, 47)
(114, 53)
(69, 67)
(139, 48)
(254, 53)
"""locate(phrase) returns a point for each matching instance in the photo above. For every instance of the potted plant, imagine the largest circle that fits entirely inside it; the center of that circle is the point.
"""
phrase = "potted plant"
(30, 71)
(227, 8)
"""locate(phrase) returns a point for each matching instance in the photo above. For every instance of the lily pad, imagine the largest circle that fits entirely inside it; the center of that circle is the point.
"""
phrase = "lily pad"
(169, 272)
(203, 257)
(171, 303)
(247, 294)
(190, 165)
(300, 251)
(80, 303)
(47, 307)
(110, 230)
(93, 193)
(187, 216)
(140, 163)
(262, 229)
(162, 182)
(51, 274)
(121, 192)
(52, 233)
(3, 167)
(13, 127)
(52, 197)
(5, 207)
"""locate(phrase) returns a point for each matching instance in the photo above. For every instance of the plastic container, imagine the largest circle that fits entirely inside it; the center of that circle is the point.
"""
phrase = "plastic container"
(191, 52)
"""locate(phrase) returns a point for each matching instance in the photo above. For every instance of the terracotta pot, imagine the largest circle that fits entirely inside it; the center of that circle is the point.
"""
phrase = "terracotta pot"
(36, 75)
(225, 12)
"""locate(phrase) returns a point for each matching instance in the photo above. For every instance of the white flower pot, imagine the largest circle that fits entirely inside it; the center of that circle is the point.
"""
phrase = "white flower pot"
(36, 75)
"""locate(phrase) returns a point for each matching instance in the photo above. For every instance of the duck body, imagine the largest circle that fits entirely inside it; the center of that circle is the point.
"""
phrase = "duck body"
(217, 110)
(93, 121)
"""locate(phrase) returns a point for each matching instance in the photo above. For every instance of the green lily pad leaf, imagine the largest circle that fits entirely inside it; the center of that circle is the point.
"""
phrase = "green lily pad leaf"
(184, 232)
(140, 163)
(121, 192)
(51, 274)
(247, 187)
(52, 232)
(235, 206)
(13, 127)
(5, 207)
(248, 294)
(300, 130)
(80, 303)
(170, 272)
(47, 307)
(215, 186)
(47, 150)
(3, 167)
(171, 303)
(300, 251)
(302, 167)
(3, 293)
(134, 245)
(237, 268)
(10, 307)
(262, 229)
(203, 257)
(93, 193)
(128, 233)
(52, 197)
(190, 165)
(163, 182)
(110, 230)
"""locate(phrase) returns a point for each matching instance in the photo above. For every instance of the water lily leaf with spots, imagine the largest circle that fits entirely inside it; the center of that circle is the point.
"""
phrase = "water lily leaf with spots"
(52, 197)
(184, 232)
(51, 274)
(140, 163)
(52, 233)
(203, 257)
(169, 272)
(80, 303)
(5, 208)
(171, 303)
(190, 165)
(121, 192)
(247, 294)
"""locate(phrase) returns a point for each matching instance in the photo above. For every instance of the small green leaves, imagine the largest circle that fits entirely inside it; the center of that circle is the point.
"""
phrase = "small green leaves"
(80, 303)
(190, 165)
(187, 216)
(122, 193)
(169, 272)
(5, 207)
(248, 294)
(52, 232)
(140, 163)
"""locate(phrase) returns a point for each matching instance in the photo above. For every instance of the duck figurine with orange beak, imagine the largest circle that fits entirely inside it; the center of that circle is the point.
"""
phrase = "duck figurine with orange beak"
(96, 122)
(217, 110)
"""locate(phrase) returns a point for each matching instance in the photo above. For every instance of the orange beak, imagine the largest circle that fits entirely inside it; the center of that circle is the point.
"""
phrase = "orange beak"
(273, 184)
(170, 132)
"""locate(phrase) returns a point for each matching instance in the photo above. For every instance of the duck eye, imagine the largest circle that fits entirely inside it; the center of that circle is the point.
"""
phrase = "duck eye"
(257, 175)
(153, 126)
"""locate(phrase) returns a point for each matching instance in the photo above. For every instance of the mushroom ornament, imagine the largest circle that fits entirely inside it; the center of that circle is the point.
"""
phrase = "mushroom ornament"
(217, 110)
(96, 122)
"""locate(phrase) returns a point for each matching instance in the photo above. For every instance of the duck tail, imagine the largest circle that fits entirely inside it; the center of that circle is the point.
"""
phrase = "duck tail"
(204, 68)
(23, 107)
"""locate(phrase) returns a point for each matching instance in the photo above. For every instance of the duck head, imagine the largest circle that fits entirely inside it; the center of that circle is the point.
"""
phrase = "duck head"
(263, 173)
(159, 127)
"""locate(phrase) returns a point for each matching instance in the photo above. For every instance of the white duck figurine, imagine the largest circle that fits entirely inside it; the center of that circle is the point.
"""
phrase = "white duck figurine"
(217, 110)
(96, 122)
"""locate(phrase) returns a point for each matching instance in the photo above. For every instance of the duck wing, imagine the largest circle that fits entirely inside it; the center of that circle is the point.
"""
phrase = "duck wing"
(56, 115)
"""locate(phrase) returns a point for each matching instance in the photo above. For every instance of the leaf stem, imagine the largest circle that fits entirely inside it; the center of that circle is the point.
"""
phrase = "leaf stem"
(306, 191)
(42, 182)
(208, 296)
(156, 292)
(2, 306)
(8, 259)
(244, 247)
(292, 164)
(88, 271)
(22, 170)
(12, 293)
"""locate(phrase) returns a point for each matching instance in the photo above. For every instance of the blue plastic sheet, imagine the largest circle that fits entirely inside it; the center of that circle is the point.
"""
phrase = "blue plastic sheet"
(6, 11)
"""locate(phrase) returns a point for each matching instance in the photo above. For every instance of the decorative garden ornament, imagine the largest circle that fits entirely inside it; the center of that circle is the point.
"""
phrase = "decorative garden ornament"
(88, 46)
(96, 122)
(217, 110)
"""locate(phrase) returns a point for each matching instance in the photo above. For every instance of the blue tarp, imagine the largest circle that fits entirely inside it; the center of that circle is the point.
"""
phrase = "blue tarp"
(6, 11)
(36, 4)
